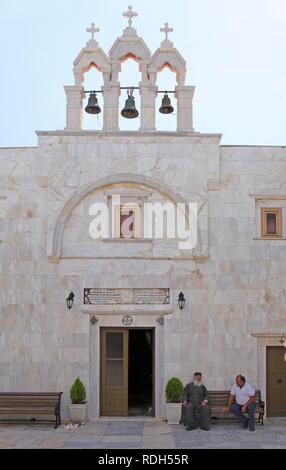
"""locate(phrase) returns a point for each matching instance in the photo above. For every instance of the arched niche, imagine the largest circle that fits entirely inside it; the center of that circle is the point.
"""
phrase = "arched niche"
(55, 234)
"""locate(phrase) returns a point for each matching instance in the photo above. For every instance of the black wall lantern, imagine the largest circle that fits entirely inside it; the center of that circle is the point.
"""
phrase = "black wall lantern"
(70, 301)
(181, 301)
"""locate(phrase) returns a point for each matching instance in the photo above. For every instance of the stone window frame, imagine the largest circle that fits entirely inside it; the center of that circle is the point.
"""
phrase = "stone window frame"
(133, 200)
(269, 202)
(279, 217)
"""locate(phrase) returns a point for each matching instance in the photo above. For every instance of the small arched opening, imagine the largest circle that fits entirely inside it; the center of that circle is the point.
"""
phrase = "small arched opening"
(130, 76)
(93, 80)
(166, 81)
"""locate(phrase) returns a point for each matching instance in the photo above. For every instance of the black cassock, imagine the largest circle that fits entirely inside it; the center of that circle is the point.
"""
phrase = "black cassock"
(194, 413)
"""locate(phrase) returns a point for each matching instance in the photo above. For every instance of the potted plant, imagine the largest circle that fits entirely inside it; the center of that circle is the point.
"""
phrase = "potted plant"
(78, 405)
(174, 396)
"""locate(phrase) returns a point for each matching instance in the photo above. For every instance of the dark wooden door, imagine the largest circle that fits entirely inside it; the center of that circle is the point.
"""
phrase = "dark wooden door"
(114, 372)
(276, 381)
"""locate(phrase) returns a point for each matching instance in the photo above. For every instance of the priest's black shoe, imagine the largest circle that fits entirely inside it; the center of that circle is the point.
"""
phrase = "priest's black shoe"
(191, 428)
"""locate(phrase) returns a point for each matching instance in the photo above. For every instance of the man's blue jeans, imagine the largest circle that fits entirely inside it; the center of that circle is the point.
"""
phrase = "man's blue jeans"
(236, 411)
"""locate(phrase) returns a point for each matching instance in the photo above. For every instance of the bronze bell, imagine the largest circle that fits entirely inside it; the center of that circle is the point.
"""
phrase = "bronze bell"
(92, 106)
(166, 107)
(130, 111)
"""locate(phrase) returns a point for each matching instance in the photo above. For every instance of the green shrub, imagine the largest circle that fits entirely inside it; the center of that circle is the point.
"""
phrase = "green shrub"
(174, 391)
(78, 393)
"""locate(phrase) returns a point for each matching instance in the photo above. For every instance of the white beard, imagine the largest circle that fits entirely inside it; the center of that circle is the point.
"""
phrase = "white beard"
(197, 384)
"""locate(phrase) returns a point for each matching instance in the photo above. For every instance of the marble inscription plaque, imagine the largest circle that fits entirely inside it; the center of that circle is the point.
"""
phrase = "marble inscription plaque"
(127, 296)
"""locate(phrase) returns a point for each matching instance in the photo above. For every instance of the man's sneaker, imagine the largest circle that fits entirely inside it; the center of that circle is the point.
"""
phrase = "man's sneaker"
(245, 424)
(191, 428)
(205, 428)
(251, 429)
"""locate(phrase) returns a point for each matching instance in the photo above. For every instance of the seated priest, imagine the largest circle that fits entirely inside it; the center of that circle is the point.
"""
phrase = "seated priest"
(197, 412)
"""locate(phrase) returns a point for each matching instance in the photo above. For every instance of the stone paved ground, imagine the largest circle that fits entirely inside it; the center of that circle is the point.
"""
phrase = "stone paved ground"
(141, 434)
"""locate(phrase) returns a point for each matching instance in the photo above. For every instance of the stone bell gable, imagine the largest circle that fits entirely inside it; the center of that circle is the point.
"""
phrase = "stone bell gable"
(130, 45)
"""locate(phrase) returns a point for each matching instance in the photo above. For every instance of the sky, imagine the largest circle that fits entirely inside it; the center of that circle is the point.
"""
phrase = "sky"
(235, 52)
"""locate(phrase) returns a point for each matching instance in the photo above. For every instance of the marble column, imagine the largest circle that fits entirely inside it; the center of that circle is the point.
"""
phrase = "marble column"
(185, 95)
(148, 107)
(111, 96)
(75, 96)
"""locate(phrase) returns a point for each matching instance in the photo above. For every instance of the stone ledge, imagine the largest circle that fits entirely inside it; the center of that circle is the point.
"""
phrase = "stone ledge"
(268, 197)
(271, 239)
(267, 335)
(86, 133)
(134, 310)
(126, 240)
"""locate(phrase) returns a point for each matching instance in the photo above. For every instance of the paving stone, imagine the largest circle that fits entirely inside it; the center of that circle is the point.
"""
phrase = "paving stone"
(81, 445)
(123, 438)
(116, 445)
(141, 434)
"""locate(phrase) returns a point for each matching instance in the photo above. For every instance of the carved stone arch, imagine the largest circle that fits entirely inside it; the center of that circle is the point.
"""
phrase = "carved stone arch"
(55, 236)
(134, 46)
(88, 58)
(170, 58)
(127, 47)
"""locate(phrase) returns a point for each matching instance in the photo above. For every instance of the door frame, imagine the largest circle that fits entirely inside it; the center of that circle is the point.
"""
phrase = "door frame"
(268, 348)
(264, 340)
(144, 323)
(117, 329)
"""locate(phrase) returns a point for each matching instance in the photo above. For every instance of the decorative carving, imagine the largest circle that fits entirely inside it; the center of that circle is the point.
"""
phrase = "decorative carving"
(160, 321)
(127, 320)
(93, 321)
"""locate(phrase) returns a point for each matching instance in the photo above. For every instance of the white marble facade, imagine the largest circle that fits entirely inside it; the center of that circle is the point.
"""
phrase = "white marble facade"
(234, 282)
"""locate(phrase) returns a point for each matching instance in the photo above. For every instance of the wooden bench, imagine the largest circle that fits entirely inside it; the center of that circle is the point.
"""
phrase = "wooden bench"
(218, 400)
(32, 405)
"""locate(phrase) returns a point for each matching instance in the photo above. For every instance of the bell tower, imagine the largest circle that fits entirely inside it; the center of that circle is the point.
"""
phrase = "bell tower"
(129, 45)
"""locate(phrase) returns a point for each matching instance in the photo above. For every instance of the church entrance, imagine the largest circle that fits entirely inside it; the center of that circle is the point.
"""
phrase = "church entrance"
(127, 372)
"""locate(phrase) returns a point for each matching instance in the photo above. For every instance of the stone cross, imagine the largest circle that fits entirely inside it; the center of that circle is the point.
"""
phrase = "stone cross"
(93, 30)
(130, 14)
(166, 30)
